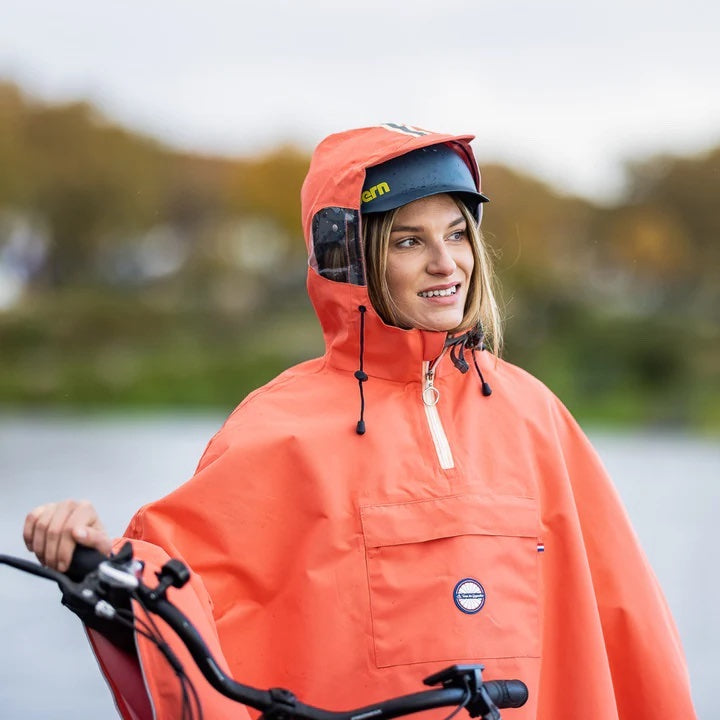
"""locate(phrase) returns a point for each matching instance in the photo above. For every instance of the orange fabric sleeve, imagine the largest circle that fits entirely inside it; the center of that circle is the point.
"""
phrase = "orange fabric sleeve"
(160, 681)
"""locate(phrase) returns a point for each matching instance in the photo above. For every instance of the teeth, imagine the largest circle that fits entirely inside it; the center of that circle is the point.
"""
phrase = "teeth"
(439, 293)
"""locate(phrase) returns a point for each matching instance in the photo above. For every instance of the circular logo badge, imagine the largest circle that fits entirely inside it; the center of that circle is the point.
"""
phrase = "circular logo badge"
(469, 596)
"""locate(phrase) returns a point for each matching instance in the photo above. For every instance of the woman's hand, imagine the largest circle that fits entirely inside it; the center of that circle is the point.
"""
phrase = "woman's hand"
(51, 531)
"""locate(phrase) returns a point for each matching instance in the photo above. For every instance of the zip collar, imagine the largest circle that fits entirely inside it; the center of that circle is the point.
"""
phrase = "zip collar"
(390, 353)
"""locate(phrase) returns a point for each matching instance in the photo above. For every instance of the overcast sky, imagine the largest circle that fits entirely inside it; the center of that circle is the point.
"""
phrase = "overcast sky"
(567, 90)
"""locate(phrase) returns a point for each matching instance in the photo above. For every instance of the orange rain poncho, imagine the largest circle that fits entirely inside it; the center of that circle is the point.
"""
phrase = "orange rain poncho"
(331, 563)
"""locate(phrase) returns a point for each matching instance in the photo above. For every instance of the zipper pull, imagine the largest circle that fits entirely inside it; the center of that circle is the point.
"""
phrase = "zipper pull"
(430, 393)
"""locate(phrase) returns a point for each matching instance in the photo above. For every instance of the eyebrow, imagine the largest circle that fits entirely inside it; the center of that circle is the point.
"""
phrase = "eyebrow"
(419, 228)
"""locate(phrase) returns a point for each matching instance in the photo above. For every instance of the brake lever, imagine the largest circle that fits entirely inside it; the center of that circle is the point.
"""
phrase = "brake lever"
(469, 678)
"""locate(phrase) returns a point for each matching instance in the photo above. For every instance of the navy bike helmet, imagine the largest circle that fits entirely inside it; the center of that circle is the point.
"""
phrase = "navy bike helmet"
(420, 173)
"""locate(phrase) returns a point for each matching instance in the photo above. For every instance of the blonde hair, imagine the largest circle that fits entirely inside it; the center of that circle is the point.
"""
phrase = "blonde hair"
(481, 306)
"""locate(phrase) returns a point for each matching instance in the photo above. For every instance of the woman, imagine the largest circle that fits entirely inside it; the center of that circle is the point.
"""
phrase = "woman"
(408, 500)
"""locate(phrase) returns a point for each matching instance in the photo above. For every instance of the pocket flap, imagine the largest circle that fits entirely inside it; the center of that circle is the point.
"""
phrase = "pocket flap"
(434, 518)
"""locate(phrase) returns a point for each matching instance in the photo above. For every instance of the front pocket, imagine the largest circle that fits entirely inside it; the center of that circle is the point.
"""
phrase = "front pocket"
(417, 555)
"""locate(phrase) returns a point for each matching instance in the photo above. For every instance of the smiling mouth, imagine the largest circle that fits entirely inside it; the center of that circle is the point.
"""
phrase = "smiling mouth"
(439, 293)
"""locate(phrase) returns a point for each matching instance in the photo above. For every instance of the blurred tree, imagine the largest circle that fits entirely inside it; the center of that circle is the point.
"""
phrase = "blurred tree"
(270, 185)
(685, 191)
(15, 180)
(92, 181)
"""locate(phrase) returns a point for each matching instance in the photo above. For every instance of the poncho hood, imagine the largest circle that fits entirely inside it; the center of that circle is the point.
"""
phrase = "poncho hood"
(337, 169)
(331, 198)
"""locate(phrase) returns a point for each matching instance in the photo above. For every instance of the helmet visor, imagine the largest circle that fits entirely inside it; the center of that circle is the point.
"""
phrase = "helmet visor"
(427, 171)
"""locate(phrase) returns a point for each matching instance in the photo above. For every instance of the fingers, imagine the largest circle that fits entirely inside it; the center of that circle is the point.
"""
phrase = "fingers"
(29, 526)
(82, 519)
(51, 531)
(53, 524)
(94, 537)
(37, 523)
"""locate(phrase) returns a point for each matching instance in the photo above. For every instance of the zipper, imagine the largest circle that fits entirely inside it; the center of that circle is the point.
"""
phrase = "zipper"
(430, 398)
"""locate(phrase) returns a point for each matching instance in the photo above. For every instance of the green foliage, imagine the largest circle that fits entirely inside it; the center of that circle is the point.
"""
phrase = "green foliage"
(85, 349)
(148, 276)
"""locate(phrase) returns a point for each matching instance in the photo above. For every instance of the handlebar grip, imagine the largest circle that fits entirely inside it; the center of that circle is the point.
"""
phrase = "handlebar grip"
(84, 561)
(507, 693)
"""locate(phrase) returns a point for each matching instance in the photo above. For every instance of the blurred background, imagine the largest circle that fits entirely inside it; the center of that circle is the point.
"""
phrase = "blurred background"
(152, 265)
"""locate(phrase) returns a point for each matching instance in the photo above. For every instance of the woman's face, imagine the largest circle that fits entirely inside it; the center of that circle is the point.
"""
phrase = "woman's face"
(430, 262)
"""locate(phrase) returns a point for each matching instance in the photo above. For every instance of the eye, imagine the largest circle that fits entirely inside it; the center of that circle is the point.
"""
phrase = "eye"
(458, 235)
(407, 242)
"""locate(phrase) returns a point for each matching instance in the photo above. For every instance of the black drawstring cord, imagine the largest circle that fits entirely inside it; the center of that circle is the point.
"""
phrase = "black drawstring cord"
(360, 374)
(458, 357)
(486, 389)
(472, 340)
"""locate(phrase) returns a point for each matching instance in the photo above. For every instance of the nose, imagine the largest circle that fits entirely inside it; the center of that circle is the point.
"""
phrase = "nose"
(441, 260)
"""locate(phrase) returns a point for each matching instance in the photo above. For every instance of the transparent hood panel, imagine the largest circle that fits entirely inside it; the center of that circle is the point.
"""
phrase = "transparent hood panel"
(337, 252)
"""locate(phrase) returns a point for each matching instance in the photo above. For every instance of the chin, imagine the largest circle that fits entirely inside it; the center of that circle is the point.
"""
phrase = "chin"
(444, 324)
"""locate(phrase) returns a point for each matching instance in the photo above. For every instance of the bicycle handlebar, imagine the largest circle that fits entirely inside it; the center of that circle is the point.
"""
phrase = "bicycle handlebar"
(92, 577)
